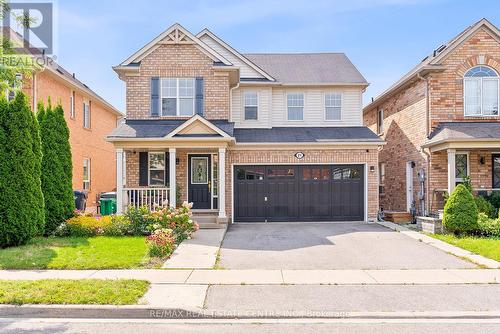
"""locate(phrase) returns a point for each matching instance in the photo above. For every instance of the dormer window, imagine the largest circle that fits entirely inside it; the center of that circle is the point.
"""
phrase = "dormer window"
(481, 92)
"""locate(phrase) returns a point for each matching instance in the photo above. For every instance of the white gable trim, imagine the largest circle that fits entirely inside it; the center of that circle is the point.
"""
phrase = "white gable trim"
(234, 52)
(465, 36)
(155, 43)
(197, 118)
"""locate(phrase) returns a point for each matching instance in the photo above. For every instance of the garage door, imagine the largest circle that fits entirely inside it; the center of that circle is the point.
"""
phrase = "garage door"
(299, 193)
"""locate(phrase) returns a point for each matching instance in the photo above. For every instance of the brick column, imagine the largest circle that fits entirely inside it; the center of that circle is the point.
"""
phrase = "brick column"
(451, 170)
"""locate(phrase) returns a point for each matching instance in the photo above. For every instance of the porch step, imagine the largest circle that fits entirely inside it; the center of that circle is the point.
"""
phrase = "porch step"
(397, 217)
(207, 220)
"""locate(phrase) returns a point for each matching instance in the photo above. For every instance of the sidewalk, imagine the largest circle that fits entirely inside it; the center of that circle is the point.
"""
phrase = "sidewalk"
(271, 277)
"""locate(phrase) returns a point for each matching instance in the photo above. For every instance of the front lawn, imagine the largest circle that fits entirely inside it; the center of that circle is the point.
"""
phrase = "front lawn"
(487, 247)
(88, 291)
(78, 253)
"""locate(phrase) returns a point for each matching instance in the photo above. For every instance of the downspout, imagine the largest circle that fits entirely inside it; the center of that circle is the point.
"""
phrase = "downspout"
(427, 154)
(231, 101)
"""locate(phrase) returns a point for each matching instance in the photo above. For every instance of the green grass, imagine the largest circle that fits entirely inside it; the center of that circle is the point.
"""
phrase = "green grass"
(77, 253)
(487, 247)
(86, 291)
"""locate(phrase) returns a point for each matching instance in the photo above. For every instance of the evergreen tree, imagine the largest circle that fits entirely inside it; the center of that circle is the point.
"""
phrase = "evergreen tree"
(56, 168)
(21, 200)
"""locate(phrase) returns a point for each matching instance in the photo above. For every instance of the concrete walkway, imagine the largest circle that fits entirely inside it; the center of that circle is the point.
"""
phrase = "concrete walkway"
(444, 246)
(272, 277)
(199, 252)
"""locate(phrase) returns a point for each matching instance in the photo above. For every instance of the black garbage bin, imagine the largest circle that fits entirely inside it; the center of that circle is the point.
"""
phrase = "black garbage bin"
(80, 200)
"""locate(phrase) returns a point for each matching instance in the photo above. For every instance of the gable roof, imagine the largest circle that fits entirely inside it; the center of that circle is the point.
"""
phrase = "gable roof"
(179, 33)
(198, 119)
(234, 53)
(433, 61)
(464, 131)
(309, 68)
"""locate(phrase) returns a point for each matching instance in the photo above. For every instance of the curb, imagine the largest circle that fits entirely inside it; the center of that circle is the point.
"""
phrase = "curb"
(148, 312)
(443, 246)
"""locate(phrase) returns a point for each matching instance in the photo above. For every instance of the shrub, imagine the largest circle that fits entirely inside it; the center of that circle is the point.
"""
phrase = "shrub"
(138, 218)
(88, 226)
(161, 243)
(460, 212)
(178, 219)
(488, 227)
(483, 206)
(56, 168)
(21, 198)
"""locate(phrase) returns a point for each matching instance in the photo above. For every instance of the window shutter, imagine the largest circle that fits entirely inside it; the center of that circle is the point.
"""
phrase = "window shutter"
(167, 169)
(199, 104)
(155, 96)
(143, 168)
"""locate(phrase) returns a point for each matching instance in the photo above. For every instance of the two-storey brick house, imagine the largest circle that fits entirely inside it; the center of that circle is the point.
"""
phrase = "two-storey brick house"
(441, 121)
(245, 137)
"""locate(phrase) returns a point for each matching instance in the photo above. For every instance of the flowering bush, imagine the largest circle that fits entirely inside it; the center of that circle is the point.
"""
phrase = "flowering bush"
(177, 219)
(161, 243)
(138, 218)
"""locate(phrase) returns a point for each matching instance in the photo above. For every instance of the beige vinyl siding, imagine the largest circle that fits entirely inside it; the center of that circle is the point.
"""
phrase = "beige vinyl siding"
(273, 109)
(263, 111)
(245, 70)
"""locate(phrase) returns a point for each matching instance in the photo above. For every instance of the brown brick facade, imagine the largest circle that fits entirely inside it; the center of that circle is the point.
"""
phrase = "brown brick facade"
(85, 143)
(406, 126)
(177, 61)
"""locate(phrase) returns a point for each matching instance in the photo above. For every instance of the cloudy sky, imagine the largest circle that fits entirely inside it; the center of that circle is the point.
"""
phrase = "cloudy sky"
(383, 38)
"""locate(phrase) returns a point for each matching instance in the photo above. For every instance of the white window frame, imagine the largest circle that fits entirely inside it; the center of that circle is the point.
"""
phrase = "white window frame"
(72, 104)
(86, 114)
(164, 168)
(87, 182)
(177, 97)
(340, 106)
(245, 105)
(288, 107)
(380, 121)
(460, 179)
(481, 80)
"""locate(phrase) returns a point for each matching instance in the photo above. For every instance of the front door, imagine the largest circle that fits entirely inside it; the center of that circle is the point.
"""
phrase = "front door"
(199, 180)
(496, 171)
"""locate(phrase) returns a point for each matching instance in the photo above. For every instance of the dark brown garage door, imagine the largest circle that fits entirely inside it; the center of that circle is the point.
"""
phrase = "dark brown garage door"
(299, 193)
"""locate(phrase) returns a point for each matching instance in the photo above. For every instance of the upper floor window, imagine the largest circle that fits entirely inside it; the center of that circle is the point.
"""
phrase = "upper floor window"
(72, 104)
(380, 121)
(333, 106)
(86, 115)
(251, 105)
(295, 106)
(177, 96)
(86, 174)
(481, 92)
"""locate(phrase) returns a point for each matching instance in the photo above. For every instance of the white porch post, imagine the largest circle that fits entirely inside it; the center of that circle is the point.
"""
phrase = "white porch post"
(451, 170)
(222, 183)
(173, 183)
(119, 180)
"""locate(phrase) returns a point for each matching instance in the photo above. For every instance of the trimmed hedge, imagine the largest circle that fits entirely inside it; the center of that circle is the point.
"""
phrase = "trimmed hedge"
(460, 212)
(21, 198)
(57, 169)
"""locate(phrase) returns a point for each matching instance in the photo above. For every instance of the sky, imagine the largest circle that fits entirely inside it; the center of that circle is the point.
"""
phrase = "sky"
(383, 38)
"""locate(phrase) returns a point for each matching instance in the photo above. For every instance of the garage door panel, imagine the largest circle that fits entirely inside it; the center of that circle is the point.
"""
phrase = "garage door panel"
(282, 199)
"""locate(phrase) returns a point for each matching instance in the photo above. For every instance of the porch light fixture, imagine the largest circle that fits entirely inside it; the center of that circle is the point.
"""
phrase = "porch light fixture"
(482, 160)
(372, 169)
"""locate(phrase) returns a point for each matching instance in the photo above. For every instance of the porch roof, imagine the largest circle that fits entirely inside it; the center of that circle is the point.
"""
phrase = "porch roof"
(464, 135)
(159, 128)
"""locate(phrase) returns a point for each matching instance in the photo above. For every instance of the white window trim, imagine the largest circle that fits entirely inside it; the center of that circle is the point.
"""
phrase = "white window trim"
(480, 79)
(86, 115)
(380, 126)
(177, 98)
(250, 105)
(303, 107)
(341, 106)
(192, 170)
(459, 179)
(164, 169)
(72, 113)
(88, 174)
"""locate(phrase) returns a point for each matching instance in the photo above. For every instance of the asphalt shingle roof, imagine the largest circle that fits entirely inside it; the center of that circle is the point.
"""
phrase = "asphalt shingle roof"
(456, 131)
(308, 68)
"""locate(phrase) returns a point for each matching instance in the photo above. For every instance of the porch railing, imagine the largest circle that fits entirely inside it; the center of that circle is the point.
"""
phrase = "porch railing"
(151, 197)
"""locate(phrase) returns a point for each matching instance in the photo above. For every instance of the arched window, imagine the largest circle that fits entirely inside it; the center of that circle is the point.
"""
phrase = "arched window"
(481, 92)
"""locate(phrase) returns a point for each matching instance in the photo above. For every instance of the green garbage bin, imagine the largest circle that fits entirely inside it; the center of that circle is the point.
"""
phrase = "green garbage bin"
(106, 206)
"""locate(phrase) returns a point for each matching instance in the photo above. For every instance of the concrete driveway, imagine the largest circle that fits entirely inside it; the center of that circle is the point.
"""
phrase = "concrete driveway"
(328, 246)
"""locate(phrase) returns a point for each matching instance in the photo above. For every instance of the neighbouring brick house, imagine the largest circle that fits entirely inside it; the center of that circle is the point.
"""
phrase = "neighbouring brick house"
(245, 137)
(90, 119)
(442, 120)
